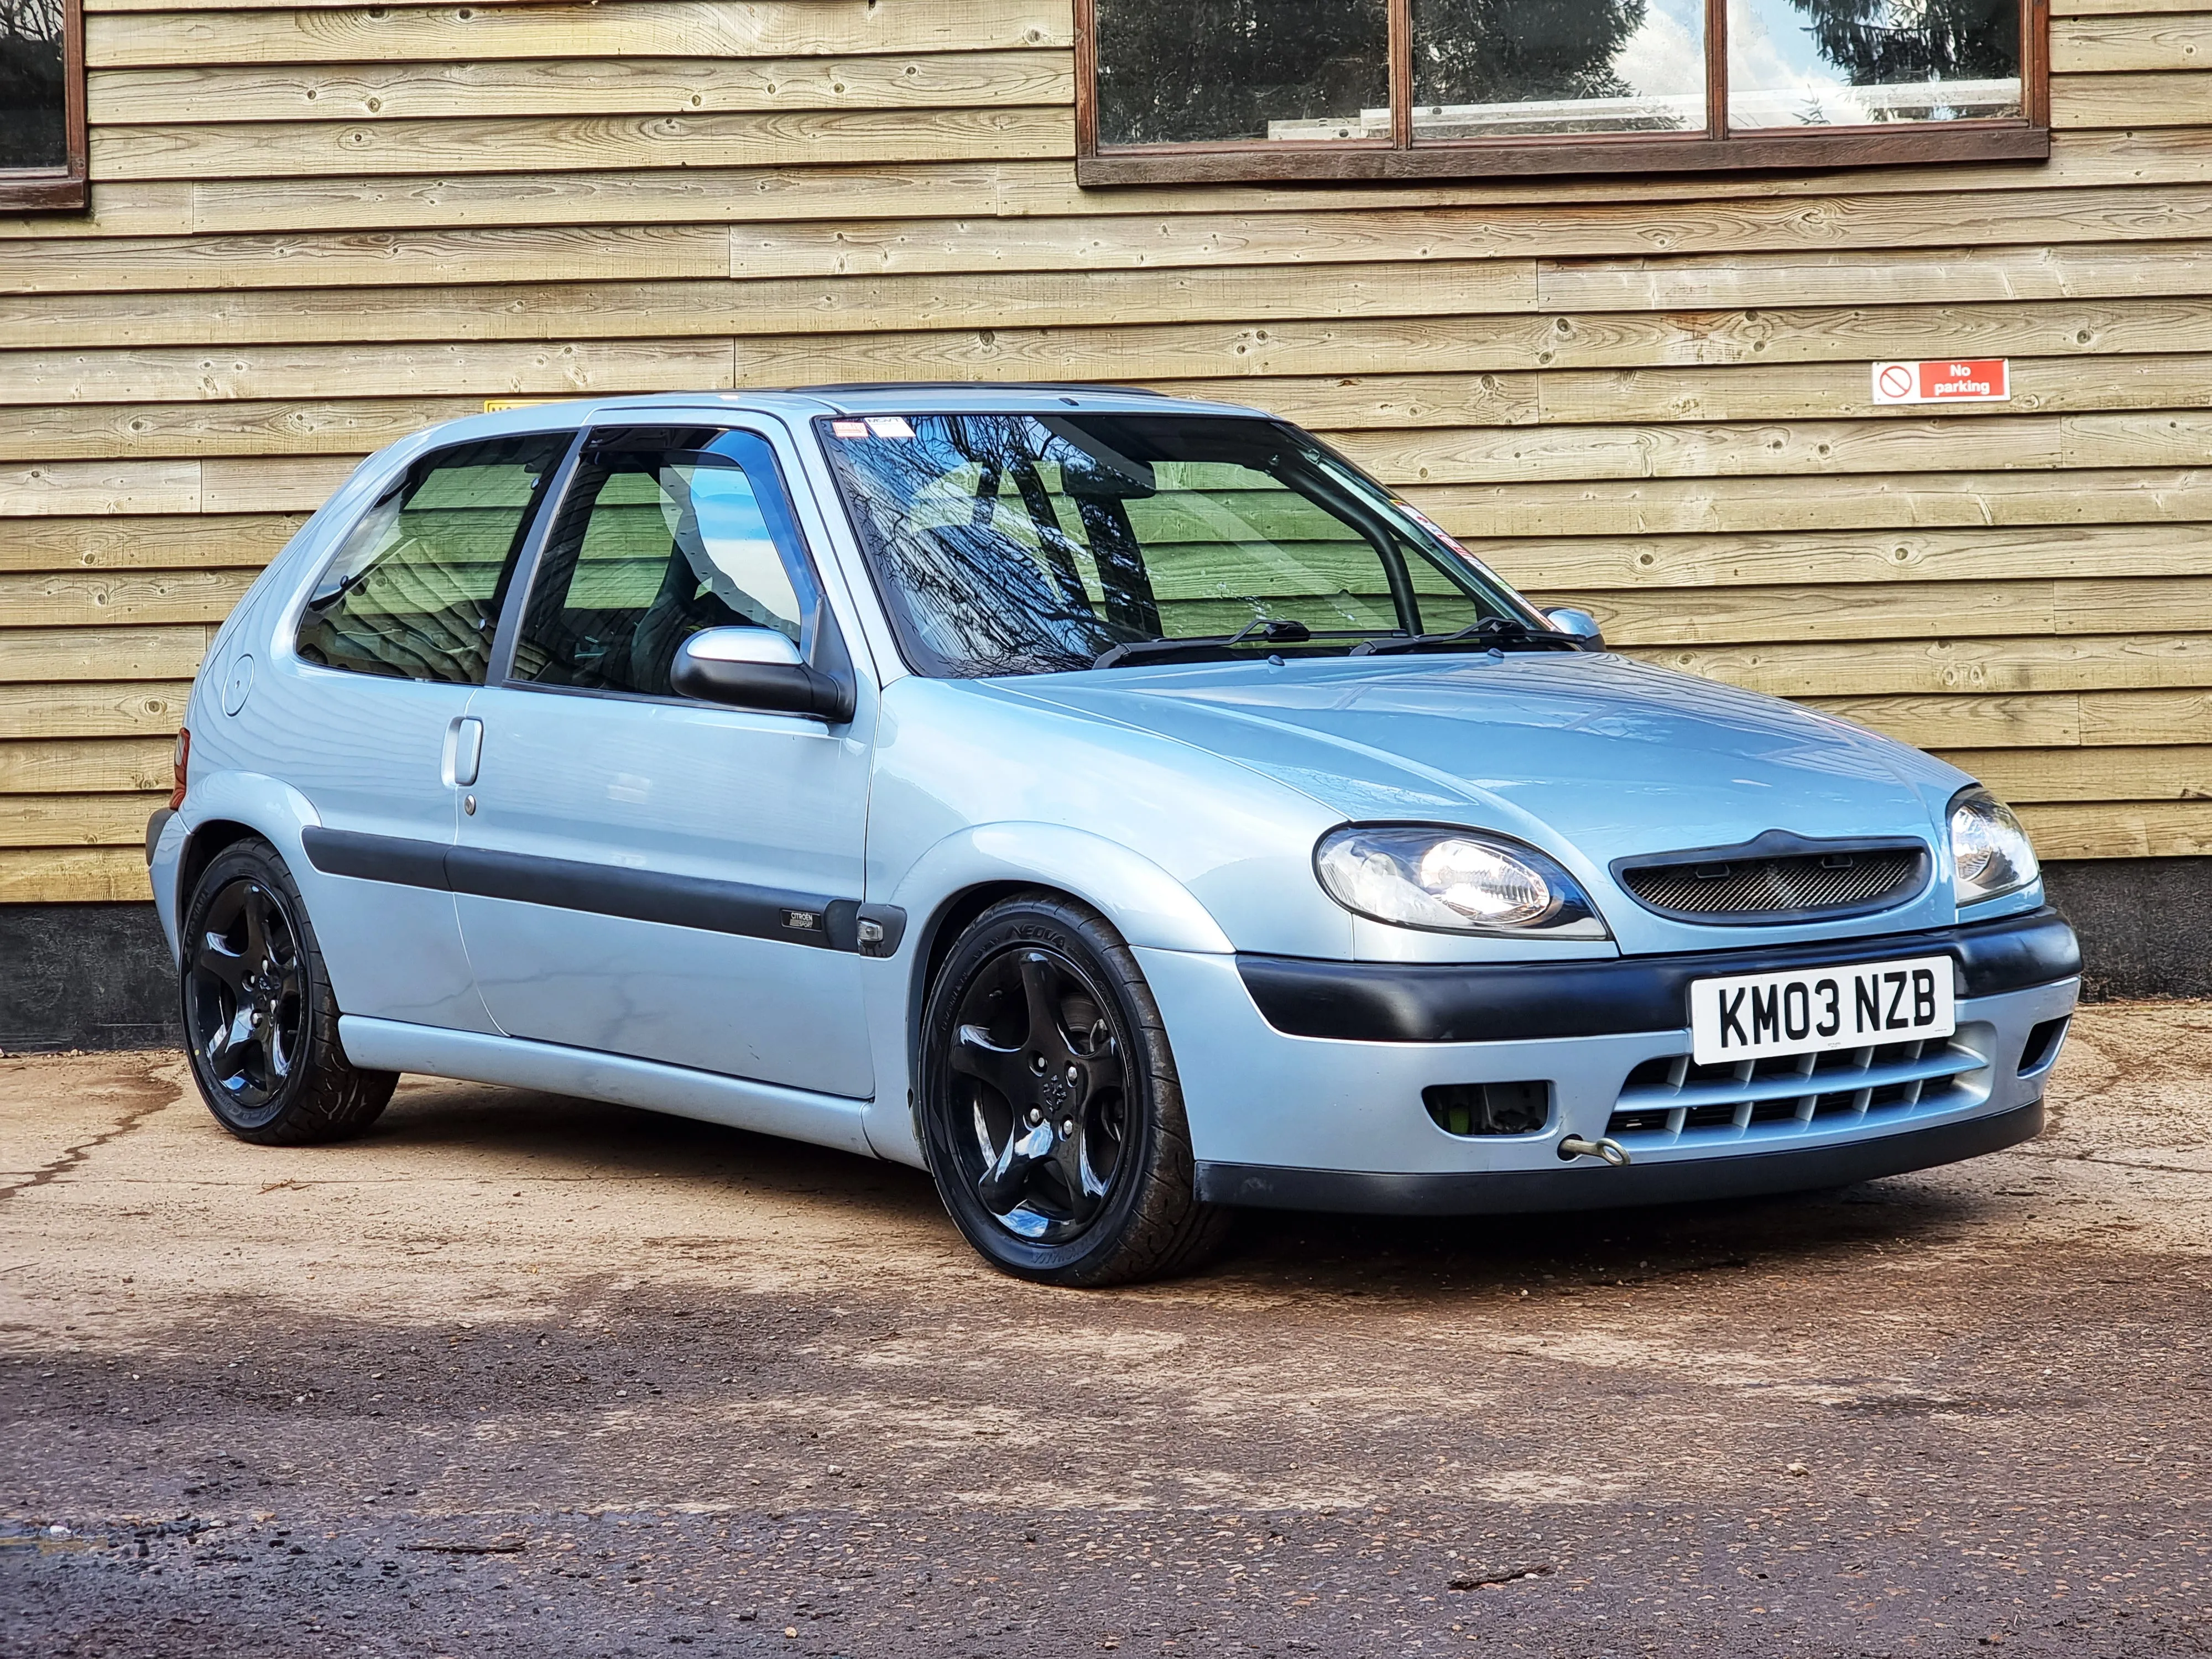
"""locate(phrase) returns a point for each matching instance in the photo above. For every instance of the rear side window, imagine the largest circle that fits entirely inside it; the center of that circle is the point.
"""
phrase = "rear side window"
(415, 592)
(654, 544)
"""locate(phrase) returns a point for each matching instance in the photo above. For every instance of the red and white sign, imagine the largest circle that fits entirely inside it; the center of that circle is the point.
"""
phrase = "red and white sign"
(1944, 381)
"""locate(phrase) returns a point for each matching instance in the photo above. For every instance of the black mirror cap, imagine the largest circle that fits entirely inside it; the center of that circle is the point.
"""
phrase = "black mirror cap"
(776, 688)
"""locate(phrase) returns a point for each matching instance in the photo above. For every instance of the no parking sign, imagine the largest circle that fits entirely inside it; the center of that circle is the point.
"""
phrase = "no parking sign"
(1944, 381)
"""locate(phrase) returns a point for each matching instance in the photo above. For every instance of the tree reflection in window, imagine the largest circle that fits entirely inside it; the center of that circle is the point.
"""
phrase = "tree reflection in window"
(33, 92)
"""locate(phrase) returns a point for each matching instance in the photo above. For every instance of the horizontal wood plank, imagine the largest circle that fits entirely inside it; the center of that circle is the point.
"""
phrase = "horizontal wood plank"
(108, 648)
(1843, 501)
(90, 820)
(631, 29)
(1943, 666)
(95, 709)
(566, 312)
(2173, 772)
(77, 766)
(109, 599)
(1992, 553)
(88, 875)
(75, 487)
(2175, 40)
(2128, 100)
(298, 150)
(364, 259)
(118, 542)
(571, 87)
(2120, 830)
(478, 371)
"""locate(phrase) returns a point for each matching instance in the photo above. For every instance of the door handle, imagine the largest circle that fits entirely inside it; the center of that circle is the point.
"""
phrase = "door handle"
(467, 750)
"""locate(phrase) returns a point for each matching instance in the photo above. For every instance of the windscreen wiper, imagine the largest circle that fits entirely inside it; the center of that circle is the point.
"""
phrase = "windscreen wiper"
(1491, 634)
(1273, 630)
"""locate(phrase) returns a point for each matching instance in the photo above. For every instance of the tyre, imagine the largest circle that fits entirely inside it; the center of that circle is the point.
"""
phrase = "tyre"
(260, 1023)
(1049, 1110)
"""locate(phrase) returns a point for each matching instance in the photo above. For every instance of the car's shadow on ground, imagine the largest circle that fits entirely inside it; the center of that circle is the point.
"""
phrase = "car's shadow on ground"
(558, 1137)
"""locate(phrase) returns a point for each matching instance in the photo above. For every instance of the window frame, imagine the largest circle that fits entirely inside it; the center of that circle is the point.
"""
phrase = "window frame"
(820, 644)
(2024, 138)
(529, 533)
(66, 188)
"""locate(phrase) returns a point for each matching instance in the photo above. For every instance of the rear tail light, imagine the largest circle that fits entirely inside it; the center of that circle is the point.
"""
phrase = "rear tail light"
(180, 763)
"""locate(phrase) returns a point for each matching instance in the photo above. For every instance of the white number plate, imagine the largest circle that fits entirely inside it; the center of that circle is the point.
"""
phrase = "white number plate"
(1814, 1010)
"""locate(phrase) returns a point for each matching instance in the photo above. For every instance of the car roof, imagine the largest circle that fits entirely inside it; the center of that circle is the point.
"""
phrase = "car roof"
(803, 403)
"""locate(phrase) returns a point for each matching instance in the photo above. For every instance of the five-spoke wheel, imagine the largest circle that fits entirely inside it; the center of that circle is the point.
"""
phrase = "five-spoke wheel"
(243, 1008)
(260, 1020)
(1050, 1111)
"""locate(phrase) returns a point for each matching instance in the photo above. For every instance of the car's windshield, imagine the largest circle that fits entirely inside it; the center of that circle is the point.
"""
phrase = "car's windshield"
(1021, 544)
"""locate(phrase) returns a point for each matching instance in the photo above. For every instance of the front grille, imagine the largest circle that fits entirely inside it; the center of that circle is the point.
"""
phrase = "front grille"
(1798, 884)
(1673, 1099)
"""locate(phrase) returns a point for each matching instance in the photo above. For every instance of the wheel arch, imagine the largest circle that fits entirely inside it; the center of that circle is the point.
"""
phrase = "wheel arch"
(962, 876)
(229, 808)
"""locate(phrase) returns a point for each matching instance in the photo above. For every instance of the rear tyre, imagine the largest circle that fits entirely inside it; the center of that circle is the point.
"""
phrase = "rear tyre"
(261, 1025)
(1050, 1112)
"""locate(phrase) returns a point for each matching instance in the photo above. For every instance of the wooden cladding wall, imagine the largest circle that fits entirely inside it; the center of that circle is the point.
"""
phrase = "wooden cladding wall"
(317, 227)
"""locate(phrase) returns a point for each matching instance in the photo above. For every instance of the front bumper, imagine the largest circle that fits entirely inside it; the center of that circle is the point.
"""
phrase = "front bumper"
(1337, 1122)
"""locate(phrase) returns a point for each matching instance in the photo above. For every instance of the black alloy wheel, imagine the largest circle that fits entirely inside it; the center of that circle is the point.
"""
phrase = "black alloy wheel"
(1051, 1115)
(243, 1007)
(260, 1021)
(1049, 1118)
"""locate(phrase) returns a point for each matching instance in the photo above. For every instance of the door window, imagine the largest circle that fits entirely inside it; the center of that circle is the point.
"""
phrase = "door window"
(654, 543)
(414, 591)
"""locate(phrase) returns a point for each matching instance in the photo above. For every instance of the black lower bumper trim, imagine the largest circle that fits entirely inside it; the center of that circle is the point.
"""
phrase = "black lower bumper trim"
(1509, 1001)
(1588, 1185)
(154, 825)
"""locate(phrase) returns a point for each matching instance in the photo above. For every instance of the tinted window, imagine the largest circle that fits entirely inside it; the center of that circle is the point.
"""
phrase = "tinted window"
(33, 94)
(415, 592)
(652, 545)
(1008, 543)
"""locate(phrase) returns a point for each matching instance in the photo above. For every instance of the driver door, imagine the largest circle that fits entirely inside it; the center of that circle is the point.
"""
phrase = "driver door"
(646, 875)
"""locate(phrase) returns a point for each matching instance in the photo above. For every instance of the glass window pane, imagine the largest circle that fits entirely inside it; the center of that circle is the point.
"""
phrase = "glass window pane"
(1492, 68)
(413, 592)
(1196, 71)
(31, 100)
(1865, 62)
(671, 542)
(1009, 544)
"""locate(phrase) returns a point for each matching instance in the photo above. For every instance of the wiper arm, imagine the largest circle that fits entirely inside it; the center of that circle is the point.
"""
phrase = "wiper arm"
(1275, 630)
(1491, 634)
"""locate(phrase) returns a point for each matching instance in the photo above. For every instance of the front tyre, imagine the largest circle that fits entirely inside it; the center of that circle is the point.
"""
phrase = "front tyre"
(1050, 1112)
(261, 1025)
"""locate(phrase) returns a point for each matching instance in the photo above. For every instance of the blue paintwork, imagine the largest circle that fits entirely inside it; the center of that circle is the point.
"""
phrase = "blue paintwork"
(1183, 801)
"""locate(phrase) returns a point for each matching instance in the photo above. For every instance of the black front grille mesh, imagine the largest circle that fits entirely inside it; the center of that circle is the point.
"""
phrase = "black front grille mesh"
(1777, 886)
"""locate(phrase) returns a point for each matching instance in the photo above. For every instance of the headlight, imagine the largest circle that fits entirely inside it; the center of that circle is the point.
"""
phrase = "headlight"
(1454, 881)
(1990, 853)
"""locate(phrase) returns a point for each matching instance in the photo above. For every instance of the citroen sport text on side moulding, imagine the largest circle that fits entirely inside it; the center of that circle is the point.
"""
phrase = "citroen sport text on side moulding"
(1124, 808)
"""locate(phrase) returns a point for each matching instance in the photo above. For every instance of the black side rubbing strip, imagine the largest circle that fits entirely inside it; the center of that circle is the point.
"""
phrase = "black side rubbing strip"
(1395, 1002)
(720, 907)
(399, 859)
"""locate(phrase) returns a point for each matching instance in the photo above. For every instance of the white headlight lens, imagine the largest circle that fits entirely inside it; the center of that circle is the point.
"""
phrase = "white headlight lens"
(1488, 885)
(1989, 852)
(1433, 879)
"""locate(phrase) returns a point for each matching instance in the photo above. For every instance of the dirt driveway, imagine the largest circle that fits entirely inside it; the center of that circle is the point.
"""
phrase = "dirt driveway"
(517, 1373)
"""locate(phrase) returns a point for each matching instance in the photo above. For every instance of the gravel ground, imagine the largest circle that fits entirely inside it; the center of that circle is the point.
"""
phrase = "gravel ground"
(519, 1374)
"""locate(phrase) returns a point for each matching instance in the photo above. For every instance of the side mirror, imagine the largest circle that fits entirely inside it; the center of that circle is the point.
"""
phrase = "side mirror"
(757, 668)
(1580, 624)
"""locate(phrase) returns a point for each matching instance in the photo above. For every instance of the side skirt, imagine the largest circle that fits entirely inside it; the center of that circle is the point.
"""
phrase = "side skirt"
(473, 1057)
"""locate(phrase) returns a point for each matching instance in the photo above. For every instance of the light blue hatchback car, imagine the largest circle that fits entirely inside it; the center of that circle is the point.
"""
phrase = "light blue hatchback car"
(1122, 807)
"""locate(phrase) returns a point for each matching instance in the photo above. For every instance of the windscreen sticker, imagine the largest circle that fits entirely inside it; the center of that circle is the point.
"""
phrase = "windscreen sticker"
(1430, 526)
(850, 429)
(889, 426)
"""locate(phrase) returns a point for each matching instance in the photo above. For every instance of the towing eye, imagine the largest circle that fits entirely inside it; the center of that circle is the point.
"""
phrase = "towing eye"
(1605, 1147)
